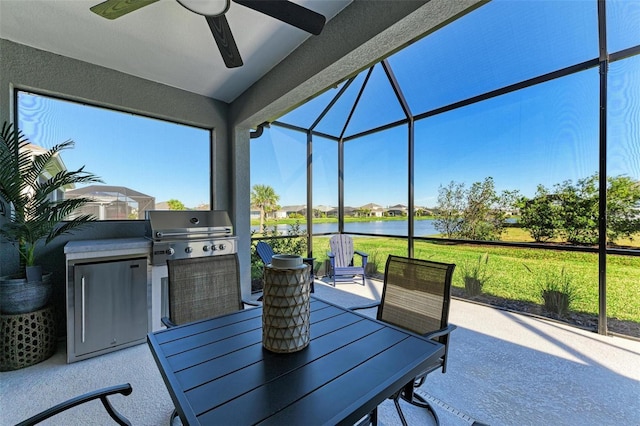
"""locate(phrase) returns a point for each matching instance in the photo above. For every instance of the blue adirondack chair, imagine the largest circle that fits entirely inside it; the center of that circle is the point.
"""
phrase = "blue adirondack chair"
(265, 252)
(341, 257)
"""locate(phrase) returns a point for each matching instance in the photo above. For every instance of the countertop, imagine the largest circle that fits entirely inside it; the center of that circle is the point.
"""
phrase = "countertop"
(85, 249)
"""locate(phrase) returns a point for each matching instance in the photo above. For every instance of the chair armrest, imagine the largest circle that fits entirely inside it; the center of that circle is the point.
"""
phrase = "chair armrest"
(331, 255)
(102, 394)
(167, 322)
(441, 332)
(368, 306)
(364, 257)
(251, 302)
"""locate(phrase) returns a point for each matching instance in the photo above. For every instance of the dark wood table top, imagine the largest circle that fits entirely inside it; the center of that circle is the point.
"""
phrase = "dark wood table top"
(218, 373)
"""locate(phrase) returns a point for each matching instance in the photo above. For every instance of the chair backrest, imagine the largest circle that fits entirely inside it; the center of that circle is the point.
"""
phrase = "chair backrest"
(341, 246)
(416, 294)
(203, 287)
(265, 252)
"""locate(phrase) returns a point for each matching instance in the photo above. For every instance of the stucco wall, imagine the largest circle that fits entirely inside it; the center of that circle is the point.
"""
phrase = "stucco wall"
(26, 68)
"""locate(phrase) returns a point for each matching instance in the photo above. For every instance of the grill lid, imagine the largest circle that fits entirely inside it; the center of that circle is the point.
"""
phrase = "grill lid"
(167, 225)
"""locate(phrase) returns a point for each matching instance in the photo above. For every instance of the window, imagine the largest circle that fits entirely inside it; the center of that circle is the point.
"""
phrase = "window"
(375, 178)
(278, 164)
(144, 163)
(541, 135)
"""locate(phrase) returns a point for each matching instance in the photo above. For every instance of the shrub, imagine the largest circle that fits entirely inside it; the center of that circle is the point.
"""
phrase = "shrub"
(558, 292)
(475, 274)
(293, 245)
(374, 261)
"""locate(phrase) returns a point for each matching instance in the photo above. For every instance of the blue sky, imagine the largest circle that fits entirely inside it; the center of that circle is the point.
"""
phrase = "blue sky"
(540, 135)
(151, 156)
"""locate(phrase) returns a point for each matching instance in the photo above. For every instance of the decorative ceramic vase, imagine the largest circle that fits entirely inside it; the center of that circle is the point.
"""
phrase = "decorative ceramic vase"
(285, 312)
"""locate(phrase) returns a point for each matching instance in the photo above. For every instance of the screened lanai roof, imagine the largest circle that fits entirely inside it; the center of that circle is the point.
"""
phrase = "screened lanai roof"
(519, 94)
(500, 44)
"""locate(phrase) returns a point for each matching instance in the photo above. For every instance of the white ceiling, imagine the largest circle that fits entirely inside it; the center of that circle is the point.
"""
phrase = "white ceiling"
(162, 42)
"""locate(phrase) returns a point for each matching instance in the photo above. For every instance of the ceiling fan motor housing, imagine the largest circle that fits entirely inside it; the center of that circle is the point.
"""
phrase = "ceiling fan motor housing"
(206, 7)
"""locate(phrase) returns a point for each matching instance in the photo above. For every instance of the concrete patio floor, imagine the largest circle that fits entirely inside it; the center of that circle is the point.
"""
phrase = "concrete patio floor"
(511, 369)
(504, 369)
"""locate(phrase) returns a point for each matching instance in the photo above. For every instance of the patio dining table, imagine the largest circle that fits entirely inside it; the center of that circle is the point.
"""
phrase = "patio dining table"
(217, 371)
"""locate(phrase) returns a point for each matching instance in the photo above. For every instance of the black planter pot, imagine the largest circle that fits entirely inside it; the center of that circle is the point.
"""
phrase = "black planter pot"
(34, 273)
(19, 296)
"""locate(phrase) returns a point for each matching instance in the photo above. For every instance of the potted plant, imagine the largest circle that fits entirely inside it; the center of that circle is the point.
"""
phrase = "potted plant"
(29, 179)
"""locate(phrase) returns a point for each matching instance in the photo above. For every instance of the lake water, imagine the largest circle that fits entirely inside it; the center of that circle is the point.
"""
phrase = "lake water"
(422, 228)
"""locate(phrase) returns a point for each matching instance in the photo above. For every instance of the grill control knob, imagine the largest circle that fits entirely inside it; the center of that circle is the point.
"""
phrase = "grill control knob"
(222, 247)
(188, 249)
(170, 251)
(205, 248)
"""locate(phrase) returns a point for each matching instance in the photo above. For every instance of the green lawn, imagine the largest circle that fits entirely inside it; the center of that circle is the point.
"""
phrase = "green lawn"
(509, 277)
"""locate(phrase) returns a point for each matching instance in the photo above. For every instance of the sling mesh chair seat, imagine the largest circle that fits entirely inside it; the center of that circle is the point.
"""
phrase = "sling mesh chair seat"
(203, 287)
(341, 258)
(416, 296)
(101, 394)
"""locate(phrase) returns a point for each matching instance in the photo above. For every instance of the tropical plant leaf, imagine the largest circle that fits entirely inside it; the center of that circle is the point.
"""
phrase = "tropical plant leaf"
(24, 184)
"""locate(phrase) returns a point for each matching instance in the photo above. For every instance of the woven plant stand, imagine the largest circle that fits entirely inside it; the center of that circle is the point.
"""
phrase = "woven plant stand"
(27, 339)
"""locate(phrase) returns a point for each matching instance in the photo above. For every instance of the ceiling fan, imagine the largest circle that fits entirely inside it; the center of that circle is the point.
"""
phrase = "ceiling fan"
(214, 10)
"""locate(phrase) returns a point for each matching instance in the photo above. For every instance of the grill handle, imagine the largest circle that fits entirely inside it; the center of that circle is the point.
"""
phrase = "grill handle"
(159, 234)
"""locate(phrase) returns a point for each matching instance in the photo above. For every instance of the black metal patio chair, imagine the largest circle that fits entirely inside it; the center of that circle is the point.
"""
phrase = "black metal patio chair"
(203, 287)
(416, 296)
(101, 394)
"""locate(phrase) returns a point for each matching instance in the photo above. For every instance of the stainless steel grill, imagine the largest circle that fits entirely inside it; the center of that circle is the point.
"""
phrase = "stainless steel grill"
(185, 234)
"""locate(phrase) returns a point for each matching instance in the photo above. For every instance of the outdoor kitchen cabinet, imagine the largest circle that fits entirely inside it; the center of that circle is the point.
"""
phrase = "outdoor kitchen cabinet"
(107, 300)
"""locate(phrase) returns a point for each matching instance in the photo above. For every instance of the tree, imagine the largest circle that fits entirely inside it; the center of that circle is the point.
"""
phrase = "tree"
(623, 207)
(176, 205)
(364, 212)
(540, 215)
(449, 216)
(579, 210)
(476, 214)
(481, 219)
(573, 210)
(264, 198)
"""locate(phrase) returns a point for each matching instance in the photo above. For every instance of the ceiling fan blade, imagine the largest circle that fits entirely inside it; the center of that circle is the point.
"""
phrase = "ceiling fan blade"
(224, 39)
(112, 9)
(289, 12)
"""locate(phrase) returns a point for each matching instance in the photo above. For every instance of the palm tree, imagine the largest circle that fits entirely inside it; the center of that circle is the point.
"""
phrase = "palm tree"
(265, 198)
